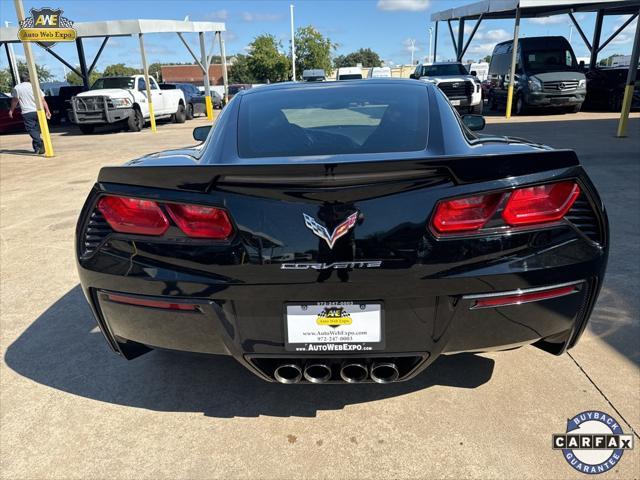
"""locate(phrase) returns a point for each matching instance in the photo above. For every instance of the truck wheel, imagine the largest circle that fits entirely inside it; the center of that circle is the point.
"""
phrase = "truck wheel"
(190, 111)
(180, 116)
(86, 129)
(476, 109)
(135, 122)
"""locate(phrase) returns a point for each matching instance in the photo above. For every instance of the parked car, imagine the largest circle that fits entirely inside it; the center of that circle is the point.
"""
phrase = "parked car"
(8, 124)
(123, 100)
(547, 75)
(194, 98)
(60, 103)
(461, 88)
(349, 73)
(314, 75)
(379, 72)
(343, 232)
(605, 88)
(233, 89)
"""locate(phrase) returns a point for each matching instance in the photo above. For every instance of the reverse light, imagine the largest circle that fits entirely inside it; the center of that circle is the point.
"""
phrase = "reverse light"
(540, 204)
(132, 215)
(465, 214)
(198, 221)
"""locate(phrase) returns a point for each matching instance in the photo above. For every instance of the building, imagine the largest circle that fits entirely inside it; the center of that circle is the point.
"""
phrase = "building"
(191, 74)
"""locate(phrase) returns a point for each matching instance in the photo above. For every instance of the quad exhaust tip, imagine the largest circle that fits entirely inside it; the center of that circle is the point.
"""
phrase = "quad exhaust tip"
(288, 373)
(354, 372)
(384, 372)
(317, 372)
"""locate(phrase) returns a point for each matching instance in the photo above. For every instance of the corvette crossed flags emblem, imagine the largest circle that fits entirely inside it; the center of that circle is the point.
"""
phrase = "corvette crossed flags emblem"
(322, 231)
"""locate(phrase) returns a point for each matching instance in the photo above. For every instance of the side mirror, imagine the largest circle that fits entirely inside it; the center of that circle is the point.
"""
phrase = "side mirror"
(201, 133)
(474, 73)
(413, 75)
(472, 122)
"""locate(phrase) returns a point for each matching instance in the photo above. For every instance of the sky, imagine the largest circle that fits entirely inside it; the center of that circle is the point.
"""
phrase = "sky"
(386, 26)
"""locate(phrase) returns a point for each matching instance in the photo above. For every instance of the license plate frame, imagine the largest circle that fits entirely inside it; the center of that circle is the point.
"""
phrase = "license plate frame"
(373, 310)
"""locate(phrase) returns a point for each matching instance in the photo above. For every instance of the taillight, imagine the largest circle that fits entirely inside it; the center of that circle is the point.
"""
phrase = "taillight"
(540, 204)
(465, 214)
(132, 215)
(201, 222)
(523, 206)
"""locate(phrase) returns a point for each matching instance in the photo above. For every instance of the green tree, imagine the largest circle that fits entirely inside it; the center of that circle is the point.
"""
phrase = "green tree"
(240, 72)
(266, 62)
(6, 83)
(365, 56)
(487, 59)
(74, 79)
(120, 70)
(313, 50)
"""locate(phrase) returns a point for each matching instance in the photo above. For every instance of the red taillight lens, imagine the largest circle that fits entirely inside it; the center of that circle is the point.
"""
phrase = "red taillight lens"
(525, 297)
(201, 222)
(132, 215)
(146, 302)
(465, 214)
(539, 204)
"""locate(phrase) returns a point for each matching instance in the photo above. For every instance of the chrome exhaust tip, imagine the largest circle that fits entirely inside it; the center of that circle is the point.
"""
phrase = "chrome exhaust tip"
(354, 372)
(317, 372)
(384, 372)
(288, 373)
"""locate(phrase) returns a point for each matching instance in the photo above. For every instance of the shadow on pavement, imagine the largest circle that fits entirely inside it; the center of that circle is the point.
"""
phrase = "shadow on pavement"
(63, 349)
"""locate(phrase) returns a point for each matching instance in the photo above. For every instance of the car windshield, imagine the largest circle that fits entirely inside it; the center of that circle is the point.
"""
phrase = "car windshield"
(351, 76)
(333, 120)
(549, 60)
(441, 70)
(114, 82)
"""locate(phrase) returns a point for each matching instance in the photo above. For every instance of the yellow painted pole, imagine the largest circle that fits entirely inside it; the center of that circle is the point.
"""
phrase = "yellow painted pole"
(204, 63)
(145, 69)
(514, 57)
(631, 80)
(35, 83)
(225, 76)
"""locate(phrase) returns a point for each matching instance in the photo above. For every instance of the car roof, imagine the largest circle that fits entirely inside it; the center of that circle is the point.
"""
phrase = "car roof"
(396, 82)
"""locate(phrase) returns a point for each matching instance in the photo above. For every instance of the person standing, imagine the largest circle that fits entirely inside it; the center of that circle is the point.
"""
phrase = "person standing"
(23, 94)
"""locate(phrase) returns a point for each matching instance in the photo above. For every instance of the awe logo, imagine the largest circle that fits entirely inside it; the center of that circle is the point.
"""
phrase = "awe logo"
(338, 232)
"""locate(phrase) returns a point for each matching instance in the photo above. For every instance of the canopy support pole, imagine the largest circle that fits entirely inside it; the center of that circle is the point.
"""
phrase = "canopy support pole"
(225, 78)
(435, 44)
(473, 32)
(460, 39)
(595, 44)
(631, 80)
(453, 37)
(206, 80)
(145, 69)
(514, 58)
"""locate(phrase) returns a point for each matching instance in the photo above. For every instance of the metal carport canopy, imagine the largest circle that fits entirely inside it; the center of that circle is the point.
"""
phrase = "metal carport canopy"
(501, 9)
(120, 28)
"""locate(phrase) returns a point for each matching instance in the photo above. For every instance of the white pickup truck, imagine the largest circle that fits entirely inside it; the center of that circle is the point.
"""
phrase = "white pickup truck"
(124, 100)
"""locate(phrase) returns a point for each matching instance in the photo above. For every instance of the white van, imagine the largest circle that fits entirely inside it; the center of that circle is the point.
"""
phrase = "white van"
(379, 72)
(349, 73)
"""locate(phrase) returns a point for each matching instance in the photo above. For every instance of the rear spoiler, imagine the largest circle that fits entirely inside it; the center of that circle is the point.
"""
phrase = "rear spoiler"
(464, 169)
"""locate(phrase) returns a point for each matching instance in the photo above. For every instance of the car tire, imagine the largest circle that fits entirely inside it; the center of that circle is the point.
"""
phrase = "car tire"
(189, 113)
(476, 109)
(520, 105)
(180, 116)
(135, 122)
(87, 129)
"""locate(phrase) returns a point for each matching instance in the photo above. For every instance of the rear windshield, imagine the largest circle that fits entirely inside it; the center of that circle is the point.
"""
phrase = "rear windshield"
(350, 76)
(330, 120)
(114, 82)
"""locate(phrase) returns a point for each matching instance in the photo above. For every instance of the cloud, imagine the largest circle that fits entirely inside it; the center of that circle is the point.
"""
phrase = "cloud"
(260, 17)
(554, 20)
(403, 5)
(498, 35)
(221, 14)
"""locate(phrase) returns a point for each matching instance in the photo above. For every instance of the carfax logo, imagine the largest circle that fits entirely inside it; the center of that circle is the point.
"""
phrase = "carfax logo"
(594, 442)
(46, 26)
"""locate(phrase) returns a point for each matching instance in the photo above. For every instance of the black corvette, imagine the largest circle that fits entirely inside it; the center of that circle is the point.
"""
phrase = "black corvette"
(343, 232)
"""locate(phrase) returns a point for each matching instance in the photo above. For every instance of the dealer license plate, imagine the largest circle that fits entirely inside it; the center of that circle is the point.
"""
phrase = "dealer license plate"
(328, 327)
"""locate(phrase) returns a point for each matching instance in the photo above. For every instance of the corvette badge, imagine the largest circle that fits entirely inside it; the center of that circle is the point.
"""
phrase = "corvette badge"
(338, 232)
